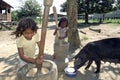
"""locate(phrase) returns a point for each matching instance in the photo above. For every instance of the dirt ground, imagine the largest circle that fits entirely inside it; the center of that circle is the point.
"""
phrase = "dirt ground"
(8, 54)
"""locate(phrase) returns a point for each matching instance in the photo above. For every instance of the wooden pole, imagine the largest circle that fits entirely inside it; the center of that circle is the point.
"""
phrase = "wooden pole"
(56, 22)
(47, 4)
(55, 16)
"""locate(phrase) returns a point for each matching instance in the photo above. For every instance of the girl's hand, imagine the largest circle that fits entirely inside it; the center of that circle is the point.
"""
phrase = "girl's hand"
(55, 31)
(56, 28)
(61, 37)
(39, 61)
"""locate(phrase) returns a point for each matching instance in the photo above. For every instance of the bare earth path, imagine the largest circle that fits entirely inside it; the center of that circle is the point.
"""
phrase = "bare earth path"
(8, 54)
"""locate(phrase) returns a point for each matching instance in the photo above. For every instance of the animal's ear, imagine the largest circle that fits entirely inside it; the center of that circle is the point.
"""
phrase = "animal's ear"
(77, 61)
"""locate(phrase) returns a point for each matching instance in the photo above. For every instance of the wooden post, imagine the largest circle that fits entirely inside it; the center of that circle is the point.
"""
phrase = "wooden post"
(56, 22)
(47, 4)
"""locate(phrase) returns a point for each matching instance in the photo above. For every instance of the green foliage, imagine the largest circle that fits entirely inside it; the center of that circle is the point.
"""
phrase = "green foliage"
(87, 7)
(30, 8)
(14, 15)
(105, 21)
(94, 6)
(38, 20)
(64, 7)
(112, 21)
(118, 4)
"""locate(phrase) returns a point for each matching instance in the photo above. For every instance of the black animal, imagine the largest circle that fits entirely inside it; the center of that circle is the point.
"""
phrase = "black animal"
(106, 49)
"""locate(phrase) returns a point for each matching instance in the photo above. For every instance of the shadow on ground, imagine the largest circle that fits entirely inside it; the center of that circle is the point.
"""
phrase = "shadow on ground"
(9, 69)
(108, 71)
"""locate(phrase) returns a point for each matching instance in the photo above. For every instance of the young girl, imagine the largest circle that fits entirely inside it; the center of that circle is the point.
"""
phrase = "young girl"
(27, 38)
(62, 28)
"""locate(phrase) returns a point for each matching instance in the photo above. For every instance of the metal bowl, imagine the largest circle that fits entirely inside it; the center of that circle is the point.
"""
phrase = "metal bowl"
(70, 71)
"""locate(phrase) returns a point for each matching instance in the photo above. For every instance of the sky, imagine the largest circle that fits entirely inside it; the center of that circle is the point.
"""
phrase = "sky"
(17, 3)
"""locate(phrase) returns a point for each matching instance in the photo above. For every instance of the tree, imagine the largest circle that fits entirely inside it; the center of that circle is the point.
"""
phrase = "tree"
(14, 15)
(64, 7)
(87, 7)
(30, 8)
(118, 4)
(73, 36)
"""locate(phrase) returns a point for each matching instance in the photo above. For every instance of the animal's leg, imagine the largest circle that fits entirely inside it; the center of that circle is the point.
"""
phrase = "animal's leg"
(98, 66)
(89, 63)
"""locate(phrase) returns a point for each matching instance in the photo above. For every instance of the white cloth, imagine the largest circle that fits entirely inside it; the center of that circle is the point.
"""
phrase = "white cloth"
(62, 32)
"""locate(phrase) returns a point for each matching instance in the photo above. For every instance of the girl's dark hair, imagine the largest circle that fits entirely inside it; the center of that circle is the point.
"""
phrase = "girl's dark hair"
(24, 24)
(62, 20)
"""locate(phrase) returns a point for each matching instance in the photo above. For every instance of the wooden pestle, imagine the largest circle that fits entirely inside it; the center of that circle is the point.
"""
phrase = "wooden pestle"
(47, 4)
(55, 17)
(56, 21)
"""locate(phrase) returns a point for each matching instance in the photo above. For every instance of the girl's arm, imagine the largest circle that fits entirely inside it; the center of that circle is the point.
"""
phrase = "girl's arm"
(55, 31)
(24, 57)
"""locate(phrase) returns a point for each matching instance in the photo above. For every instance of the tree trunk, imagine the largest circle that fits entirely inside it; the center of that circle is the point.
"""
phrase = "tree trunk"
(86, 17)
(73, 36)
(86, 11)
